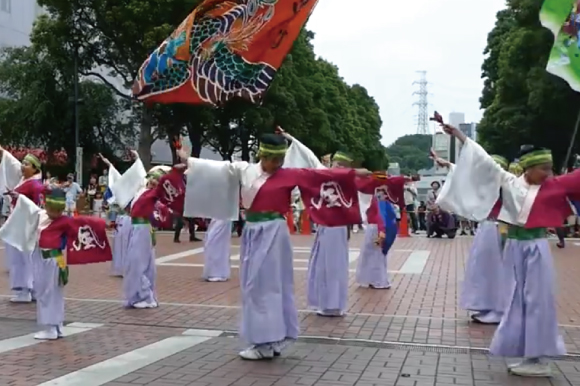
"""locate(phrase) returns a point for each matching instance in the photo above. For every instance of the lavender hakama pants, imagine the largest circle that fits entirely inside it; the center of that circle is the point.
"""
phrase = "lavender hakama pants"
(49, 294)
(488, 276)
(20, 270)
(371, 267)
(328, 270)
(121, 244)
(217, 244)
(529, 327)
(267, 283)
(140, 271)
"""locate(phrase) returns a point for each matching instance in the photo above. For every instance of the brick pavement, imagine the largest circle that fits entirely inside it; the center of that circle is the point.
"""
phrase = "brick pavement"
(420, 309)
(113, 356)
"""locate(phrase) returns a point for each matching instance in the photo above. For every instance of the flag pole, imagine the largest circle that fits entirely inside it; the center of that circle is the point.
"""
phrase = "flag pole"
(573, 140)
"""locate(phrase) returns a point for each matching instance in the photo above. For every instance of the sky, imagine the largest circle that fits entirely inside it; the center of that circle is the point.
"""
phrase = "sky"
(382, 44)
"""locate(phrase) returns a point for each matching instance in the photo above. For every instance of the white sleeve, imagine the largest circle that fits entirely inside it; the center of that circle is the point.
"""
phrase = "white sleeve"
(129, 184)
(21, 228)
(472, 186)
(299, 156)
(213, 189)
(10, 172)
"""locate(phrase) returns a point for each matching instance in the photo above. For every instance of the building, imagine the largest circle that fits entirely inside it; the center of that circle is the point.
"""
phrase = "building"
(428, 176)
(455, 119)
(16, 20)
(440, 144)
(469, 129)
(394, 169)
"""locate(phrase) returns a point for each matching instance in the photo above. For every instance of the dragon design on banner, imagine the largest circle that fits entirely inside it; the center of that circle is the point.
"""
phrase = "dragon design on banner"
(223, 49)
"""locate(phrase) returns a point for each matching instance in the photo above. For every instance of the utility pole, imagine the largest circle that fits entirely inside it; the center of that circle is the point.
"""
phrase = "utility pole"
(77, 101)
(422, 104)
(78, 149)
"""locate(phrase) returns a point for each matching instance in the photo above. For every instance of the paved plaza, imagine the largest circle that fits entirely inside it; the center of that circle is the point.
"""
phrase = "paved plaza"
(411, 335)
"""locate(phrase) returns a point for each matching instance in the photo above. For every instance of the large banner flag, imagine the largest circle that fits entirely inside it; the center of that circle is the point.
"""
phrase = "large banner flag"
(562, 17)
(223, 49)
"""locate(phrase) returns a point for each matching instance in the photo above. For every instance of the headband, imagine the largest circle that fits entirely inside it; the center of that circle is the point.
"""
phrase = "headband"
(501, 161)
(33, 160)
(535, 157)
(515, 169)
(272, 150)
(155, 174)
(340, 156)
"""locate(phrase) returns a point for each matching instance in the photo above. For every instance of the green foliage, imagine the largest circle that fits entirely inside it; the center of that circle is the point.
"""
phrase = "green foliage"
(308, 98)
(522, 102)
(37, 109)
(410, 152)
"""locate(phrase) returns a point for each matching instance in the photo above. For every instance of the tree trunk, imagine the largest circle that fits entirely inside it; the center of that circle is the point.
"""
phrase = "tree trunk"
(145, 137)
(195, 139)
(245, 144)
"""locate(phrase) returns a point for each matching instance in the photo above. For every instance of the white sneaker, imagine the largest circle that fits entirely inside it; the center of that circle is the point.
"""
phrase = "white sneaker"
(487, 318)
(333, 313)
(371, 286)
(215, 279)
(257, 353)
(49, 334)
(22, 297)
(144, 304)
(532, 370)
(282, 345)
(59, 330)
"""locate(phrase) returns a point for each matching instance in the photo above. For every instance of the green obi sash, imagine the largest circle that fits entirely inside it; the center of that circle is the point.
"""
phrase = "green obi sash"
(60, 261)
(263, 216)
(523, 234)
(144, 221)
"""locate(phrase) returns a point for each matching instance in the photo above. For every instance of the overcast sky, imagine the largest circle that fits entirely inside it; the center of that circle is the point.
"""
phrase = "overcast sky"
(381, 44)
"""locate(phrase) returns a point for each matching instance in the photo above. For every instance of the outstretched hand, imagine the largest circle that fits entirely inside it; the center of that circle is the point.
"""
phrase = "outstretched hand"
(182, 154)
(381, 237)
(180, 167)
(438, 160)
(413, 178)
(363, 172)
(105, 160)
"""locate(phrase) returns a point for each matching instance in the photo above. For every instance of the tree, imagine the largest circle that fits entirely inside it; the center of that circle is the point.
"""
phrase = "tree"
(308, 97)
(36, 111)
(111, 35)
(411, 152)
(524, 104)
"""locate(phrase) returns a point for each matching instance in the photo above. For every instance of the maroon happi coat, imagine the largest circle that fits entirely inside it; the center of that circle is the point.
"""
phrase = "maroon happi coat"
(158, 204)
(86, 239)
(392, 187)
(32, 189)
(172, 190)
(329, 195)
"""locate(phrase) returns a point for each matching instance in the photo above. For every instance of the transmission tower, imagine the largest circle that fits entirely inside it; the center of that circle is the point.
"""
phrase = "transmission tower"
(423, 105)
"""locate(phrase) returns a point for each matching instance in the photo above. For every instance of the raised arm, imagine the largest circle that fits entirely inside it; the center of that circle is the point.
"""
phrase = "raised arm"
(114, 174)
(212, 188)
(10, 171)
(473, 188)
(298, 155)
(21, 228)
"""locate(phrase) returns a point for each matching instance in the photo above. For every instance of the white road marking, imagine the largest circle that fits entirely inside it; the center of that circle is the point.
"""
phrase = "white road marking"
(119, 366)
(164, 260)
(235, 266)
(416, 262)
(177, 256)
(28, 340)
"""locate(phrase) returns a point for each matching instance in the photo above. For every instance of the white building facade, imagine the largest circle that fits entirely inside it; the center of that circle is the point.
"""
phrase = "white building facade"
(16, 20)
